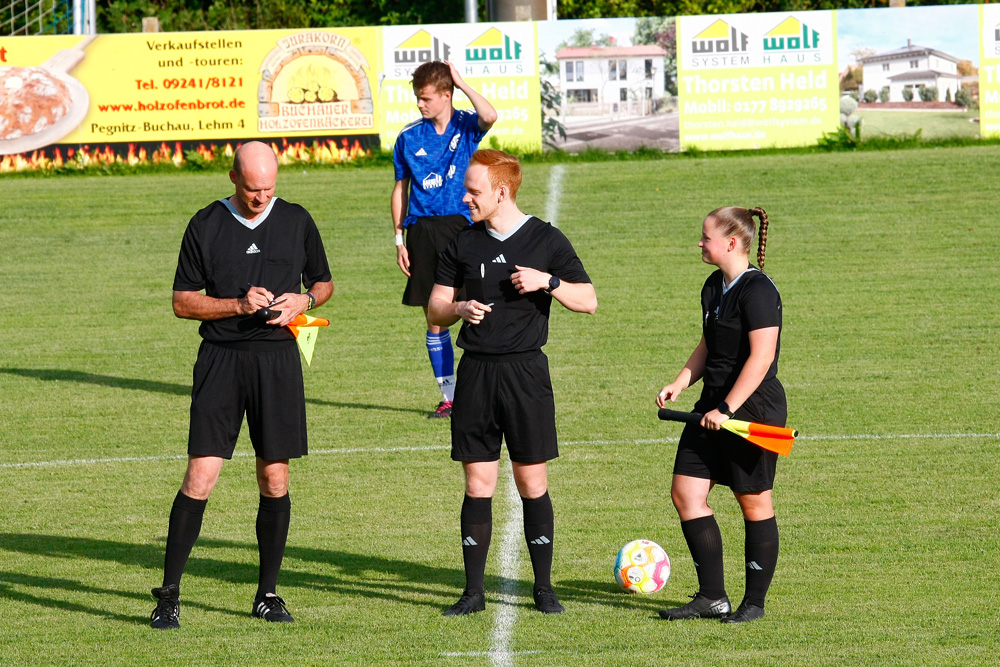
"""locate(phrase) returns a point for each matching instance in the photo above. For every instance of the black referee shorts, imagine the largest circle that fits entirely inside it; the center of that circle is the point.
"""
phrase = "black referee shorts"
(265, 384)
(425, 240)
(726, 457)
(506, 398)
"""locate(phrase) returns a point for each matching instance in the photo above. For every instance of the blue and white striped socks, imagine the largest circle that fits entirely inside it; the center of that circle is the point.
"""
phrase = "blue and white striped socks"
(442, 356)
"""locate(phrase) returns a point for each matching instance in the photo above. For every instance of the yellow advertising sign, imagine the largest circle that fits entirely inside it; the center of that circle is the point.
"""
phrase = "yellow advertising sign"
(499, 61)
(755, 81)
(196, 86)
(989, 71)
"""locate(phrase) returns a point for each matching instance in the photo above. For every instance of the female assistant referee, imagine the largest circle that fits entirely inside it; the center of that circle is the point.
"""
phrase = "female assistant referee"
(738, 360)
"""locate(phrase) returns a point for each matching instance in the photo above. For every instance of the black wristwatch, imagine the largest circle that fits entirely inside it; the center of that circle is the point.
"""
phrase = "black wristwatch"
(724, 409)
(553, 283)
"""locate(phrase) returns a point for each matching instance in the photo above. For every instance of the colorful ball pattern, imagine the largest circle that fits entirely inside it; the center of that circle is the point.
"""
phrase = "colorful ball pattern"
(642, 566)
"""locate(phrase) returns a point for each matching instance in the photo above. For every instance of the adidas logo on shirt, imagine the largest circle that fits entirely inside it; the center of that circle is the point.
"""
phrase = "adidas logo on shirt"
(541, 540)
(469, 542)
(500, 259)
(253, 249)
(421, 153)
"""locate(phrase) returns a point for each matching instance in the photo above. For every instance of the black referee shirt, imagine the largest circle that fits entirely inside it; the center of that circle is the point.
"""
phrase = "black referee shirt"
(222, 256)
(483, 264)
(752, 303)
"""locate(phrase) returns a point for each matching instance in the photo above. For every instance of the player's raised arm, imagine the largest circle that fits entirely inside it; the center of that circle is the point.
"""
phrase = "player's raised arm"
(487, 114)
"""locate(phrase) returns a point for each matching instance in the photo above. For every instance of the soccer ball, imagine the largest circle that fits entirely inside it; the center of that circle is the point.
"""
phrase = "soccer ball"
(642, 567)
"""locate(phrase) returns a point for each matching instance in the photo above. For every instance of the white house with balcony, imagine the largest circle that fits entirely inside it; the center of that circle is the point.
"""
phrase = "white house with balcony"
(909, 68)
(611, 80)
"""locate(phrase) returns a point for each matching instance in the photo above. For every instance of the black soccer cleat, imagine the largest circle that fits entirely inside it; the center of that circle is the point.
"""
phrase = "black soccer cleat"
(546, 601)
(442, 411)
(745, 613)
(469, 603)
(271, 608)
(167, 614)
(699, 607)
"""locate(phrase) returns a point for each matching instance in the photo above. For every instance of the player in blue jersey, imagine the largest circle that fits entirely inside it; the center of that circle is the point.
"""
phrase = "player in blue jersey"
(430, 158)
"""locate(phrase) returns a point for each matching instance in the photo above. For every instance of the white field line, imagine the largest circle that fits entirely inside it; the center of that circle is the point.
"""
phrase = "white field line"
(59, 463)
(555, 195)
(500, 654)
(479, 654)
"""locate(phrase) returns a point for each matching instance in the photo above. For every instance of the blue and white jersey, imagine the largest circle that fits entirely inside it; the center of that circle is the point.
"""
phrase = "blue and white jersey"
(436, 164)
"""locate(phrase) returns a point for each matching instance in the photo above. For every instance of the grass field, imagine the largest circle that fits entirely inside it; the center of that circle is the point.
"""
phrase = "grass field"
(887, 507)
(932, 124)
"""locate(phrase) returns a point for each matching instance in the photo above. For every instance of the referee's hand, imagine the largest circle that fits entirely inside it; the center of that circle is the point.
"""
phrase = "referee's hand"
(472, 311)
(526, 279)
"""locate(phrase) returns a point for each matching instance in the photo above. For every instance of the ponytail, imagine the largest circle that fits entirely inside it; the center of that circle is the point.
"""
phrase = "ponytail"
(761, 234)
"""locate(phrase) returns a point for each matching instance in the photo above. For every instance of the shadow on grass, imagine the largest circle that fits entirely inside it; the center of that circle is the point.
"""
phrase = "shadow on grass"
(612, 595)
(355, 574)
(12, 585)
(61, 375)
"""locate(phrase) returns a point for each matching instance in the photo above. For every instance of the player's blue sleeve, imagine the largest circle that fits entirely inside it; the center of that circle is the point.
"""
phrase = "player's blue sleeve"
(402, 170)
(471, 127)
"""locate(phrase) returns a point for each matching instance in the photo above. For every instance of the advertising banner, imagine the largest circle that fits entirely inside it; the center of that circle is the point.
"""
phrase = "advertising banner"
(989, 71)
(187, 87)
(756, 80)
(498, 60)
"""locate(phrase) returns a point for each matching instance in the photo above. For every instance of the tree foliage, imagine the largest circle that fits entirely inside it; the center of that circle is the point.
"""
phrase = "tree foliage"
(182, 15)
(662, 32)
(583, 37)
(581, 9)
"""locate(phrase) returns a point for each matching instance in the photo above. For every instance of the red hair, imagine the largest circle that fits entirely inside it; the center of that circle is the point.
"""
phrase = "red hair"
(501, 169)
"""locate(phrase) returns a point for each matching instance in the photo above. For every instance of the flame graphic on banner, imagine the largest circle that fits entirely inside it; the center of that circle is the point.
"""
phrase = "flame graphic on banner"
(318, 152)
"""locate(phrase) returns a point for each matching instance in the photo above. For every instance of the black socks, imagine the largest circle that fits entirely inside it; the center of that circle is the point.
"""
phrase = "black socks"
(762, 558)
(182, 533)
(477, 528)
(273, 517)
(538, 533)
(704, 540)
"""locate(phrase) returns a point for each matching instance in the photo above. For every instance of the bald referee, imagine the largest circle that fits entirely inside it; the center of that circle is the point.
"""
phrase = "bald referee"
(512, 266)
(241, 257)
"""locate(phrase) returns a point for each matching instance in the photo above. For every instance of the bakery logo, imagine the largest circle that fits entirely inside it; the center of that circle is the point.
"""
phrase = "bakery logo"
(720, 38)
(420, 48)
(315, 81)
(432, 181)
